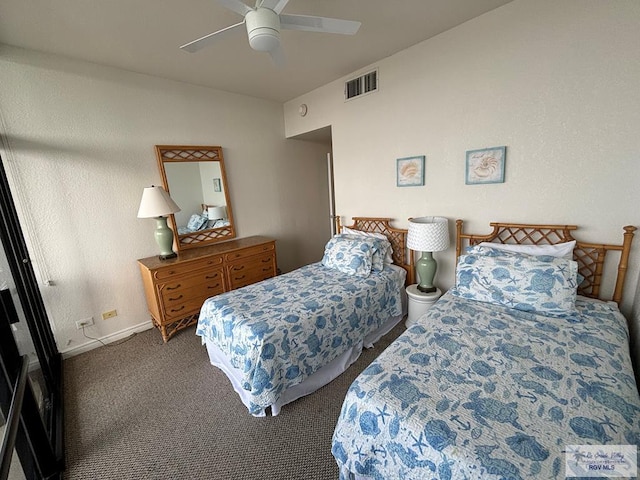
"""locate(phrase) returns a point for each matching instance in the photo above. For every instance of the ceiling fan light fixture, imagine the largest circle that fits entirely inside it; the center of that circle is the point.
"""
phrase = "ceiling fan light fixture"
(263, 28)
(264, 40)
(264, 22)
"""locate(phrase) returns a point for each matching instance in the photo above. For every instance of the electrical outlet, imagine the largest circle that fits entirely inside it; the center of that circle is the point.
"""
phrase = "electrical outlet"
(85, 322)
(109, 314)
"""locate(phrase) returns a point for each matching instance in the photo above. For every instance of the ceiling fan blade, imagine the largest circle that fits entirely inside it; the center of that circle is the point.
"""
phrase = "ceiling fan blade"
(278, 57)
(235, 6)
(319, 24)
(275, 5)
(209, 39)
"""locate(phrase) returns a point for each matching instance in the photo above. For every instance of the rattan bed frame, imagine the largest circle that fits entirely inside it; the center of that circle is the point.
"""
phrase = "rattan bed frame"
(590, 256)
(397, 237)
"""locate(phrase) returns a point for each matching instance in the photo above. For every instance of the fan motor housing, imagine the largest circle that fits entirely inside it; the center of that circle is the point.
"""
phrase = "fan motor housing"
(263, 28)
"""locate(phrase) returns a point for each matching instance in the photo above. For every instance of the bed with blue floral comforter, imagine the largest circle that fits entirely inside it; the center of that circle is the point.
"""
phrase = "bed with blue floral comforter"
(278, 332)
(476, 390)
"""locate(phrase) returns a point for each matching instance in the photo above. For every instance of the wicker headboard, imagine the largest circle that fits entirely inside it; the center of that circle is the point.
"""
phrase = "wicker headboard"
(590, 256)
(397, 237)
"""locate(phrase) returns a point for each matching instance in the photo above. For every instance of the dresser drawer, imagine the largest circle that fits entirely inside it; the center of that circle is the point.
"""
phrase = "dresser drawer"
(260, 268)
(188, 307)
(187, 267)
(248, 252)
(194, 286)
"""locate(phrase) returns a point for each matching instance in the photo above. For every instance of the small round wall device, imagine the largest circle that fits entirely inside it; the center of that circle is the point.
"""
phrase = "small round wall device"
(263, 27)
(302, 109)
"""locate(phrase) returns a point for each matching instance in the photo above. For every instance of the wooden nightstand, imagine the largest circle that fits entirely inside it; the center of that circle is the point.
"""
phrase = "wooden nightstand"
(419, 303)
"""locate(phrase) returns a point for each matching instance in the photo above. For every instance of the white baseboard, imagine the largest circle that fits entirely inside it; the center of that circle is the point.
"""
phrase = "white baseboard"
(114, 337)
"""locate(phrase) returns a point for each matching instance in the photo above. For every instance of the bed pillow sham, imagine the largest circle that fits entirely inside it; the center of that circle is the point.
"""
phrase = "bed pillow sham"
(196, 222)
(540, 284)
(353, 257)
(486, 248)
(564, 250)
(380, 248)
(388, 259)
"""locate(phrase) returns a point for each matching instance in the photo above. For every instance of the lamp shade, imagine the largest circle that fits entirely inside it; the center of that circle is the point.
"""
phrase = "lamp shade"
(216, 213)
(428, 234)
(156, 203)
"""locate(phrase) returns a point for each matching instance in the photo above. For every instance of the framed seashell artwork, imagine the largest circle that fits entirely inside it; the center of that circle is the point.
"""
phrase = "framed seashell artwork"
(485, 165)
(410, 171)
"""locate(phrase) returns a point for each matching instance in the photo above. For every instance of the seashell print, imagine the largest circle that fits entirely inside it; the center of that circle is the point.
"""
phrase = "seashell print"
(369, 423)
(439, 435)
(486, 166)
(527, 447)
(409, 169)
(589, 428)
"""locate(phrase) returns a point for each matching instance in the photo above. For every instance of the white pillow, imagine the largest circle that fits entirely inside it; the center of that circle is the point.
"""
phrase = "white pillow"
(389, 257)
(560, 250)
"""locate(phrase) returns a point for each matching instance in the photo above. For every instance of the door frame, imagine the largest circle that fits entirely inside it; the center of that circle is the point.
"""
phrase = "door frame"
(40, 443)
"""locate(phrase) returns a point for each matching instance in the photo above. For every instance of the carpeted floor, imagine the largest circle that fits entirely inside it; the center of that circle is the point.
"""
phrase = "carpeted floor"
(147, 410)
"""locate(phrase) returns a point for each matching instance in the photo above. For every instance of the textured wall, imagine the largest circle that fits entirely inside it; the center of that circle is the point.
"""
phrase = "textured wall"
(80, 150)
(554, 81)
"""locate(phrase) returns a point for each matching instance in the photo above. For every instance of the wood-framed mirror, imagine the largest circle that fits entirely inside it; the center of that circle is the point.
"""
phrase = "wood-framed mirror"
(195, 178)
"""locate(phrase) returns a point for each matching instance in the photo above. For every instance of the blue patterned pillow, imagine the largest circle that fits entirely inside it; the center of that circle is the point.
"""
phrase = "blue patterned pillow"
(379, 246)
(348, 256)
(539, 284)
(485, 249)
(196, 222)
(388, 260)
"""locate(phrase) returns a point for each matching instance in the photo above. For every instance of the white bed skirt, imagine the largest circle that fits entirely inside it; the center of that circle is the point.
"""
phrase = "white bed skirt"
(320, 378)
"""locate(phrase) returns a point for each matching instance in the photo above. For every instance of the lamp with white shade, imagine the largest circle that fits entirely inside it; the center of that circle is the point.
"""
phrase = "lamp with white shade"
(156, 203)
(427, 235)
(216, 213)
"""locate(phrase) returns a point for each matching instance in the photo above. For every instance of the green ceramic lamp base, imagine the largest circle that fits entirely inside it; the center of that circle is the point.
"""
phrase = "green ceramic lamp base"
(426, 268)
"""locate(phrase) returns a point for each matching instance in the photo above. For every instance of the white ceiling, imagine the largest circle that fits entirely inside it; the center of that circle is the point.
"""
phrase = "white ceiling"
(144, 35)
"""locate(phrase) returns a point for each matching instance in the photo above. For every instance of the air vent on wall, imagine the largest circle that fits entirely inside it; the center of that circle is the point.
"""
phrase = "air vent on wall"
(366, 83)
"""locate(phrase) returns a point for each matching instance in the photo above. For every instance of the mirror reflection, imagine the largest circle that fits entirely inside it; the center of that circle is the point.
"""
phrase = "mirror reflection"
(197, 188)
(195, 179)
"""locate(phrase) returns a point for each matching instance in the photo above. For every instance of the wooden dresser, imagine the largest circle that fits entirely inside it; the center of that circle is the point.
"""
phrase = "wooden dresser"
(176, 288)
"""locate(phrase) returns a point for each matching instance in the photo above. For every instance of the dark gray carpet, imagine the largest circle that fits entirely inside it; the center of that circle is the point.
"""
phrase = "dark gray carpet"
(147, 410)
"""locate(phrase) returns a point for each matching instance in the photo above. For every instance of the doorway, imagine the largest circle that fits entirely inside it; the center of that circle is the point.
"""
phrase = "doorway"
(323, 136)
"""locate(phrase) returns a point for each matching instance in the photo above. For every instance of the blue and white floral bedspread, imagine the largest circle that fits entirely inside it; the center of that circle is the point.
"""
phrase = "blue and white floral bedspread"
(281, 330)
(475, 390)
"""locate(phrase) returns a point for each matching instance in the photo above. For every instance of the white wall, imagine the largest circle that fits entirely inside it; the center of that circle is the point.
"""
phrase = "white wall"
(80, 141)
(557, 82)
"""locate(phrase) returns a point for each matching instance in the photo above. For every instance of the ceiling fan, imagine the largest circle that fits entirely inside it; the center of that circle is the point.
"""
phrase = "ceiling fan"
(264, 22)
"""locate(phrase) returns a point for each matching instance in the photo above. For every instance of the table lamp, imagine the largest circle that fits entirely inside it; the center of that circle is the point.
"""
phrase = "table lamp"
(156, 203)
(427, 235)
(216, 213)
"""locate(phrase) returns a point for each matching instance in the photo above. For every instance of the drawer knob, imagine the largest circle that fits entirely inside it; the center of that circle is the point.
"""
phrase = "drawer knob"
(240, 277)
(175, 298)
(212, 276)
(210, 287)
(267, 269)
(238, 268)
(177, 309)
(174, 288)
(266, 260)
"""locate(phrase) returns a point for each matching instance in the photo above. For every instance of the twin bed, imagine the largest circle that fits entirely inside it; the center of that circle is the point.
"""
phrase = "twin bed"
(507, 376)
(285, 337)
